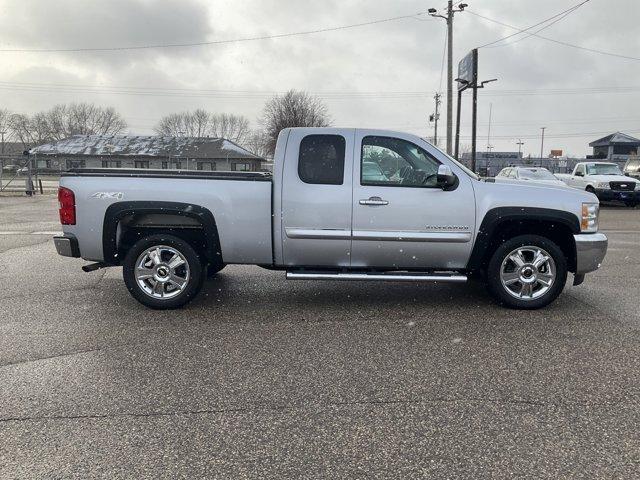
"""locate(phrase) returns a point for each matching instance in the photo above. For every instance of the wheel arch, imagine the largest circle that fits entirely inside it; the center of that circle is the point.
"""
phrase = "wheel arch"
(502, 223)
(192, 222)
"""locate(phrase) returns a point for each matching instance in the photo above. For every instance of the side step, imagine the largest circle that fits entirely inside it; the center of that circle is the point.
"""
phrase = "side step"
(384, 277)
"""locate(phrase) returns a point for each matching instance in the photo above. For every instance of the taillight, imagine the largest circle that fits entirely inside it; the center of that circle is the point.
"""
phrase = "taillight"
(67, 201)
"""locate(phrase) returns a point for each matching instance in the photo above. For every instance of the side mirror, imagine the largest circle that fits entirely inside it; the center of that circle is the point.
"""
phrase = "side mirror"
(579, 174)
(446, 178)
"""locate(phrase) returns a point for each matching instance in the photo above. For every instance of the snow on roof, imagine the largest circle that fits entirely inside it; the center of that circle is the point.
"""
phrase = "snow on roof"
(617, 137)
(152, 146)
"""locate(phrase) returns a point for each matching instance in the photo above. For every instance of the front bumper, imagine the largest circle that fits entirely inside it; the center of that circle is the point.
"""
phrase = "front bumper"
(609, 195)
(590, 251)
(67, 245)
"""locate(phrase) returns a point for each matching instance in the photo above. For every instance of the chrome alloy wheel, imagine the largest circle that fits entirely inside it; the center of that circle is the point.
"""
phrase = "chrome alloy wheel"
(162, 272)
(528, 272)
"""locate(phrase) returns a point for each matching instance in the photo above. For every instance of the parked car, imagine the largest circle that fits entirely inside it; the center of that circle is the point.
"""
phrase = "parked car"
(528, 174)
(605, 180)
(320, 218)
(632, 168)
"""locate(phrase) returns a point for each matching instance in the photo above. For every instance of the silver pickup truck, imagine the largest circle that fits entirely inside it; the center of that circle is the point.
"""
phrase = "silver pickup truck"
(342, 204)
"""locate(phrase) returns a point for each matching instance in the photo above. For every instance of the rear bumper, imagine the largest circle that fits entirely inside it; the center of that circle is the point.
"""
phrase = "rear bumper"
(590, 251)
(67, 245)
(609, 195)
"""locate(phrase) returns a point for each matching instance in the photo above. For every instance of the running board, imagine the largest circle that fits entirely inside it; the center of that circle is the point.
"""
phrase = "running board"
(384, 277)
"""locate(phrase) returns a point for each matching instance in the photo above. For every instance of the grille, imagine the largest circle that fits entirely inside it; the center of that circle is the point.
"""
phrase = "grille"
(623, 186)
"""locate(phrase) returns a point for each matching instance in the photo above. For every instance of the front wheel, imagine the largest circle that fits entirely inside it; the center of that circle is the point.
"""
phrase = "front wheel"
(162, 271)
(527, 272)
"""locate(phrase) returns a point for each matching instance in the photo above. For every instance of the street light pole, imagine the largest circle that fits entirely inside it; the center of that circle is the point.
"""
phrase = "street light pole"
(519, 143)
(449, 19)
(542, 142)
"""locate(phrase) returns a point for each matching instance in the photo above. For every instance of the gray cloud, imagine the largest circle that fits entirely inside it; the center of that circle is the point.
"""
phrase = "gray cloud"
(403, 56)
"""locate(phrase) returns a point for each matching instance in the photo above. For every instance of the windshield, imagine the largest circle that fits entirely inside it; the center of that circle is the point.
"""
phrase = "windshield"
(603, 169)
(458, 164)
(537, 174)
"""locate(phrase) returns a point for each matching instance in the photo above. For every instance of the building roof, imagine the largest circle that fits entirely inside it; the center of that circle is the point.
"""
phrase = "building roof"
(617, 138)
(144, 146)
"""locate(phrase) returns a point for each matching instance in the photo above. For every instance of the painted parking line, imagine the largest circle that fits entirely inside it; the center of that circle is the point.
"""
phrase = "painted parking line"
(30, 233)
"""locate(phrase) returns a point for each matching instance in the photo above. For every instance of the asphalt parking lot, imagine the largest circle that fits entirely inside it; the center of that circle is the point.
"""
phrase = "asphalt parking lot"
(260, 377)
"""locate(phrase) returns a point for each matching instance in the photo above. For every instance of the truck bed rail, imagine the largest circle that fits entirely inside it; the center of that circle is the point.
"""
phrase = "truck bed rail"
(184, 174)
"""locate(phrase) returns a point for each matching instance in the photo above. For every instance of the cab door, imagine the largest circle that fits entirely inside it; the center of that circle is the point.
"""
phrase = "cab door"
(401, 218)
(316, 198)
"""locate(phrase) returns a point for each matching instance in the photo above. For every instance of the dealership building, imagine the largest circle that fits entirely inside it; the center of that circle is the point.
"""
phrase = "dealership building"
(145, 152)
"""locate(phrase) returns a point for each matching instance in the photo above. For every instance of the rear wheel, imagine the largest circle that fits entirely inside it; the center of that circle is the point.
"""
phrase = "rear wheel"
(162, 271)
(527, 272)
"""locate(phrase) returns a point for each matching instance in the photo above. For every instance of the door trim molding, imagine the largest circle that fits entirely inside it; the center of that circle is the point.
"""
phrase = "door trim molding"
(448, 237)
(318, 233)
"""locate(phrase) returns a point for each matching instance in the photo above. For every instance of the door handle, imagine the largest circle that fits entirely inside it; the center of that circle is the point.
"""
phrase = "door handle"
(374, 201)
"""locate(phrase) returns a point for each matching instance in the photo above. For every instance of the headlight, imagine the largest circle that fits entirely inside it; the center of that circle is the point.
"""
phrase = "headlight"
(589, 221)
(602, 185)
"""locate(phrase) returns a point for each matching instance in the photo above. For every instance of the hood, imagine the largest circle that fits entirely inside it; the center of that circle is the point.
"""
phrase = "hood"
(612, 178)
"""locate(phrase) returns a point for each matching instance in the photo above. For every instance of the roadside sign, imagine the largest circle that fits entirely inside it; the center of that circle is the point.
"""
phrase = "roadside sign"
(468, 70)
(556, 153)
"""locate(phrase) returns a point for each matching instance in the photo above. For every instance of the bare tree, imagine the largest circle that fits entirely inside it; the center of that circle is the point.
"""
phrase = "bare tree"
(65, 120)
(257, 143)
(200, 123)
(293, 109)
(229, 126)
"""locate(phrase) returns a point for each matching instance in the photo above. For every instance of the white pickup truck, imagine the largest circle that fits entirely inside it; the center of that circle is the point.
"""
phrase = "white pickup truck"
(605, 180)
(342, 204)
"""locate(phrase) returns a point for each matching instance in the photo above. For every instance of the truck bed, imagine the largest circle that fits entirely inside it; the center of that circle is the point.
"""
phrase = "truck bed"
(239, 202)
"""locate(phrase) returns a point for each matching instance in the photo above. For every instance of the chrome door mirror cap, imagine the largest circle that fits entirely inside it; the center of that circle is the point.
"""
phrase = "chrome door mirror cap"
(446, 178)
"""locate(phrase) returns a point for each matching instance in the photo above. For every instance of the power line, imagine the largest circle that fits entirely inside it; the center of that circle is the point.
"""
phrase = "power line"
(213, 42)
(531, 34)
(252, 94)
(562, 14)
(559, 42)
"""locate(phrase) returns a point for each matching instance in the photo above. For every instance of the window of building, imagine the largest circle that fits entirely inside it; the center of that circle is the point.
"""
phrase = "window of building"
(76, 164)
(240, 167)
(141, 164)
(178, 165)
(321, 159)
(389, 161)
(165, 165)
(206, 166)
(111, 163)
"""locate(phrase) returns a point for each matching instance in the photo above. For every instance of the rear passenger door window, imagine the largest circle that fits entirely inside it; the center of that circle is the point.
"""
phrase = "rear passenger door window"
(321, 159)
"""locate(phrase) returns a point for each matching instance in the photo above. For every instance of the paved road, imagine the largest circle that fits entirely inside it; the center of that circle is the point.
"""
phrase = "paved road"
(260, 377)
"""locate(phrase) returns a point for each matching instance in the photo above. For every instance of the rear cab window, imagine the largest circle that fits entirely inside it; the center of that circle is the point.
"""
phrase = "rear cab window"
(321, 159)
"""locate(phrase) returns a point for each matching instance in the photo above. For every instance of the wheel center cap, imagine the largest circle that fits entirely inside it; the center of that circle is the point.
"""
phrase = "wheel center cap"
(528, 274)
(162, 271)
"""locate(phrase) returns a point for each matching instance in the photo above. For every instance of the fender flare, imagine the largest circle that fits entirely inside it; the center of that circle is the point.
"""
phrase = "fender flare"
(500, 215)
(117, 211)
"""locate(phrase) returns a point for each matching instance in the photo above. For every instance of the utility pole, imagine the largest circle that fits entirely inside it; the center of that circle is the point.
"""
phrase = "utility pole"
(542, 141)
(519, 143)
(449, 19)
(489, 147)
(435, 117)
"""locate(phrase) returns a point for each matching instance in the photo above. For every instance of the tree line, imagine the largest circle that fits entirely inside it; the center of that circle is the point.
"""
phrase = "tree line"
(293, 109)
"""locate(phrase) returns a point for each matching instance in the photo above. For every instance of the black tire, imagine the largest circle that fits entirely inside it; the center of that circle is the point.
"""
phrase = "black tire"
(193, 283)
(590, 189)
(501, 292)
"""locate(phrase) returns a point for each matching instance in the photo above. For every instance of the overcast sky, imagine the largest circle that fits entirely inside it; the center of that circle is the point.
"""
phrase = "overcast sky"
(382, 75)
